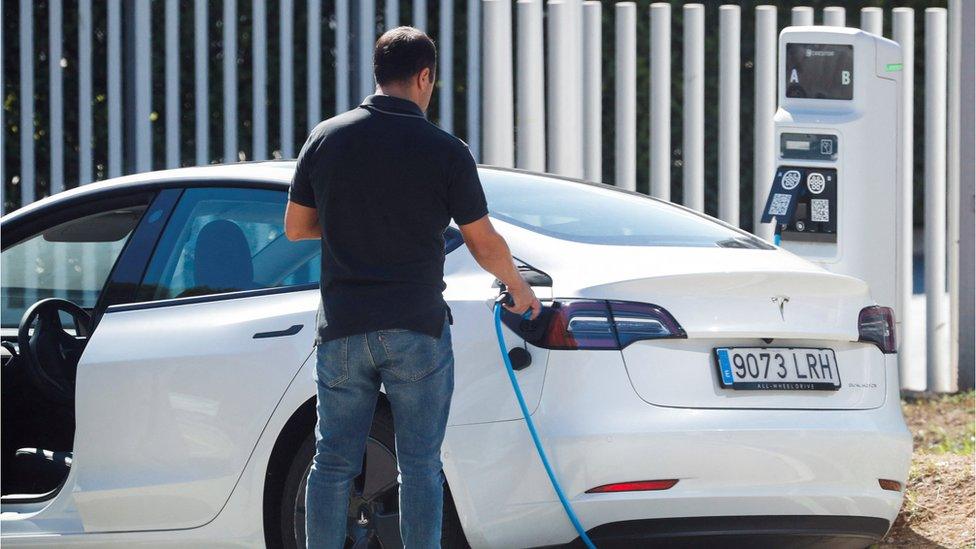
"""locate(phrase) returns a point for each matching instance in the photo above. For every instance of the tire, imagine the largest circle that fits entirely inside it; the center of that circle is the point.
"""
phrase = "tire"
(382, 530)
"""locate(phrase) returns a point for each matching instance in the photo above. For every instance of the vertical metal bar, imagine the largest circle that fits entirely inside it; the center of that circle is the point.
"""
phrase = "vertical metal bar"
(392, 16)
(872, 20)
(903, 32)
(367, 38)
(952, 178)
(531, 104)
(446, 70)
(625, 95)
(259, 81)
(592, 92)
(55, 96)
(85, 158)
(287, 96)
(172, 83)
(834, 16)
(420, 14)
(313, 51)
(201, 56)
(474, 78)
(801, 16)
(143, 37)
(230, 80)
(563, 124)
(114, 88)
(764, 150)
(728, 107)
(660, 111)
(967, 189)
(342, 55)
(27, 191)
(498, 104)
(693, 108)
(938, 378)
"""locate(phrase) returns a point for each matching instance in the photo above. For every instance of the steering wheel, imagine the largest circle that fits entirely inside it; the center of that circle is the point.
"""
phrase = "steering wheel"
(50, 354)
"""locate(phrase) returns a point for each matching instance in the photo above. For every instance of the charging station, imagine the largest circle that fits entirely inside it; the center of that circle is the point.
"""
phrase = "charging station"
(835, 192)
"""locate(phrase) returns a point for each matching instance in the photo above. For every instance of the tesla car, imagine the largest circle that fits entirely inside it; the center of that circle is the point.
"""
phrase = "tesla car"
(689, 380)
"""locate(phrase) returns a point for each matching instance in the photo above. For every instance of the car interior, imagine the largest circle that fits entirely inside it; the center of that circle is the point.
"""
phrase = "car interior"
(49, 290)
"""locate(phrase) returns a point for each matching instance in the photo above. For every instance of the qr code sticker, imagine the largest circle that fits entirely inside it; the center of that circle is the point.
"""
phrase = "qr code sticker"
(820, 210)
(780, 204)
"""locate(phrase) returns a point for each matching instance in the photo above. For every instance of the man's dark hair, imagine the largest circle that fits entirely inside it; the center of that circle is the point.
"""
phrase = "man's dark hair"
(401, 53)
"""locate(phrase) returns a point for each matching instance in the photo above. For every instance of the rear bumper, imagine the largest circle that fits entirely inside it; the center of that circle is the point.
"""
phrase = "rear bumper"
(730, 463)
(752, 531)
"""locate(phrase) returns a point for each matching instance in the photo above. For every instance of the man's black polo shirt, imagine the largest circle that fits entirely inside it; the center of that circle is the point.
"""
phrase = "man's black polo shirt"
(386, 183)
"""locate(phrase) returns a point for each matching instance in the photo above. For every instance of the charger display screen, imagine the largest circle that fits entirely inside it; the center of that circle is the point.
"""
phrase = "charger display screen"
(820, 71)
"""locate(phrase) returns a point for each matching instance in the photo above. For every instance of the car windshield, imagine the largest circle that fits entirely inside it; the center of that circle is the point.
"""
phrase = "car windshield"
(596, 214)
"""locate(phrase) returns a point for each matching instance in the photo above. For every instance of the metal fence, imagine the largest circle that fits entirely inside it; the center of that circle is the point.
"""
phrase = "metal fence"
(525, 92)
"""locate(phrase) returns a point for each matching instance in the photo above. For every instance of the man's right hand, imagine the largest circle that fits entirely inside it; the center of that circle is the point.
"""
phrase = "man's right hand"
(525, 299)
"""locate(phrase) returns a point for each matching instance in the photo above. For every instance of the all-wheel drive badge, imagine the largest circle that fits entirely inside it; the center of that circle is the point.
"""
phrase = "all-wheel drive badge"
(781, 300)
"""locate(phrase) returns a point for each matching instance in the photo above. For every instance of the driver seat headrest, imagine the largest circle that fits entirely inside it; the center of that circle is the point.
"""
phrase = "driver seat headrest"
(222, 258)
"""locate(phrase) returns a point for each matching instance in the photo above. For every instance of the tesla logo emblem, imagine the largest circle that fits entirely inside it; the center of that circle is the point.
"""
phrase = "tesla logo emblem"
(781, 300)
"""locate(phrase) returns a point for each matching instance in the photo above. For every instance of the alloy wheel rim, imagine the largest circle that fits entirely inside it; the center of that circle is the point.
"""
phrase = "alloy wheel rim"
(373, 514)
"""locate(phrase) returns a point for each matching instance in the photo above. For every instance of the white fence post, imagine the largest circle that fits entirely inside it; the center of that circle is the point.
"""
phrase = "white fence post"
(952, 178)
(143, 75)
(872, 20)
(693, 108)
(530, 94)
(419, 14)
(367, 39)
(474, 78)
(446, 71)
(391, 18)
(498, 103)
(285, 81)
(764, 142)
(625, 95)
(903, 32)
(172, 71)
(342, 56)
(801, 16)
(230, 80)
(592, 92)
(563, 143)
(55, 97)
(938, 375)
(834, 16)
(660, 99)
(201, 78)
(27, 192)
(259, 82)
(728, 106)
(85, 158)
(313, 58)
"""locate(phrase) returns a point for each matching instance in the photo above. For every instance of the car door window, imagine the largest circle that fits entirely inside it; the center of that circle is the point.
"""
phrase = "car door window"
(223, 240)
(70, 261)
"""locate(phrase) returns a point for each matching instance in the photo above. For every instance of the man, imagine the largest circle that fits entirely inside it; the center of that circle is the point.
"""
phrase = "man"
(379, 185)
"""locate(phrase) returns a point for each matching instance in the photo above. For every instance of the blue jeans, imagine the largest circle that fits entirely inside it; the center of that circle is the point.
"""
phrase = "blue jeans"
(417, 371)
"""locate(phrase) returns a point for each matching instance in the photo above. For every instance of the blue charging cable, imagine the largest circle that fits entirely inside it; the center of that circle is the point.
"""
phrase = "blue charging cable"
(506, 298)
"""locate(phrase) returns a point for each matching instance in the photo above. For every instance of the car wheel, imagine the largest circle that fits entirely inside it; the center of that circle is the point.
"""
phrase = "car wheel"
(373, 517)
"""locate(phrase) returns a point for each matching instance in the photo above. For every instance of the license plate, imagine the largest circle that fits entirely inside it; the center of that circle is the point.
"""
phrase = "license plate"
(777, 369)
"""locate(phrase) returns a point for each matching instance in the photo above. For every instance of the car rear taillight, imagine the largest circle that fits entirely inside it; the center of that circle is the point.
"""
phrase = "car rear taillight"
(876, 325)
(595, 324)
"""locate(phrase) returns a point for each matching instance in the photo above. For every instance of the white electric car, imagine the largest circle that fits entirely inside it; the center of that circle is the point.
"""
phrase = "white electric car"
(690, 382)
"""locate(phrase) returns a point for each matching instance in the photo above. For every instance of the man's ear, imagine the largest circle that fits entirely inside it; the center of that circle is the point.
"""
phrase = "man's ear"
(423, 77)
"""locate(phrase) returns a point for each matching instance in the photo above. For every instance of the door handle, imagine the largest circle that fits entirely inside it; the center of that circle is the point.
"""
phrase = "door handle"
(280, 333)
